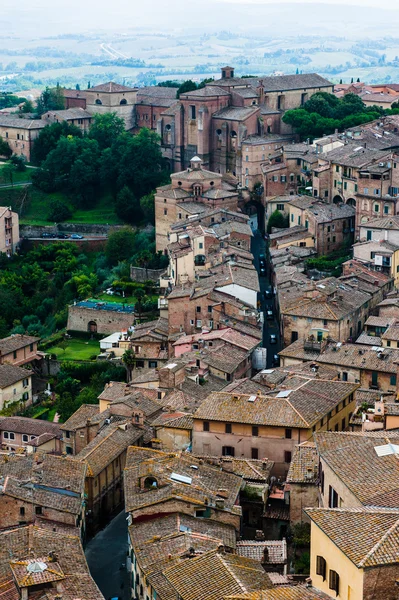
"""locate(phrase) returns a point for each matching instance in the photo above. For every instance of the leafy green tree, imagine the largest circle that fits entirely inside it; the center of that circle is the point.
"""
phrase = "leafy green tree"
(106, 129)
(120, 245)
(147, 205)
(127, 206)
(278, 220)
(8, 172)
(135, 161)
(128, 359)
(168, 83)
(49, 137)
(58, 212)
(28, 107)
(19, 162)
(5, 149)
(51, 99)
(186, 86)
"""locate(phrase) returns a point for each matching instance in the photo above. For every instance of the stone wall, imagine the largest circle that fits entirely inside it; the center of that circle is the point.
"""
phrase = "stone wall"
(107, 321)
(32, 231)
(139, 274)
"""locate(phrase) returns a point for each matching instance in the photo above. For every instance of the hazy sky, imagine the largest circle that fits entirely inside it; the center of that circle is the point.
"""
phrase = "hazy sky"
(44, 17)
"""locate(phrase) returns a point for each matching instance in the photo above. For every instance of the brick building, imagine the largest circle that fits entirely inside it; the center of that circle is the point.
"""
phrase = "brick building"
(47, 486)
(205, 189)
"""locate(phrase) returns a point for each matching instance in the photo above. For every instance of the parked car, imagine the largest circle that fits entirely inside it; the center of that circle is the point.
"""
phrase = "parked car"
(262, 271)
(110, 292)
(62, 236)
(76, 236)
(268, 293)
(273, 338)
(45, 234)
(269, 315)
(276, 360)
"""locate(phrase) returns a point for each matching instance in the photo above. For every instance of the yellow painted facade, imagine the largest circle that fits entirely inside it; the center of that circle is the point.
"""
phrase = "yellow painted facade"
(351, 578)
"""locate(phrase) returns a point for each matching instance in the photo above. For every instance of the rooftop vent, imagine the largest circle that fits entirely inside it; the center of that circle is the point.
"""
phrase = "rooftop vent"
(36, 567)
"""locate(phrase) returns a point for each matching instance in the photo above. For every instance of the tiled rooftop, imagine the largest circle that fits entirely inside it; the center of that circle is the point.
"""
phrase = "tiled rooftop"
(107, 446)
(56, 482)
(302, 408)
(63, 555)
(207, 483)
(9, 374)
(215, 575)
(15, 342)
(304, 465)
(369, 538)
(270, 552)
(372, 479)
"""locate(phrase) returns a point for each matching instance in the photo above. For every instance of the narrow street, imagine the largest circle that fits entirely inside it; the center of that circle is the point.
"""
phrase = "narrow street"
(106, 556)
(258, 246)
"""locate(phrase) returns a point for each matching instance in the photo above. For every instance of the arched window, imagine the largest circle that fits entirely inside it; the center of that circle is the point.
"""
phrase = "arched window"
(123, 101)
(233, 134)
(168, 127)
(98, 101)
(218, 132)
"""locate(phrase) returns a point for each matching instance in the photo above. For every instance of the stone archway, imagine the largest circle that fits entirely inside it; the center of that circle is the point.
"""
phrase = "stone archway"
(337, 199)
(92, 327)
(351, 202)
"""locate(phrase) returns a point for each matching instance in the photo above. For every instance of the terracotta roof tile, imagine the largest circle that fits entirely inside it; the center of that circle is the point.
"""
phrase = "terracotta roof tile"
(215, 575)
(304, 465)
(351, 455)
(369, 538)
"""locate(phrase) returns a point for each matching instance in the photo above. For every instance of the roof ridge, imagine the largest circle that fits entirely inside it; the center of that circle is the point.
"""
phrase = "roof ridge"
(230, 570)
(378, 544)
(296, 411)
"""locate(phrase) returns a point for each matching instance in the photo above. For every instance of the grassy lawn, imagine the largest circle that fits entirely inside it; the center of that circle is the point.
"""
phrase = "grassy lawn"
(36, 206)
(18, 176)
(76, 350)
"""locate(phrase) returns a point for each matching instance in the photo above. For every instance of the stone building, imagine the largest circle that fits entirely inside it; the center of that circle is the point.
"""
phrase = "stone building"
(326, 308)
(105, 458)
(20, 134)
(260, 425)
(99, 317)
(9, 230)
(73, 116)
(112, 97)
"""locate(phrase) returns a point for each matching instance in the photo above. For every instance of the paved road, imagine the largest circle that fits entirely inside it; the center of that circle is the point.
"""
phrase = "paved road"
(16, 184)
(55, 239)
(106, 557)
(258, 247)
